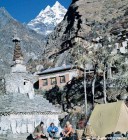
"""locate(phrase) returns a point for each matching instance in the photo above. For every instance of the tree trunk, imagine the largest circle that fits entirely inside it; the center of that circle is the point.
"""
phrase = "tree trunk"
(109, 71)
(93, 88)
(85, 91)
(104, 90)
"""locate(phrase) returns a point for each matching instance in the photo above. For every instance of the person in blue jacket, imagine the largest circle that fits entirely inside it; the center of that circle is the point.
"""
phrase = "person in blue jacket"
(52, 130)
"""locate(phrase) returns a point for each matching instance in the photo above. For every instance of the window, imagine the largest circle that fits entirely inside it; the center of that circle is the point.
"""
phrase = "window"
(53, 81)
(45, 82)
(26, 81)
(62, 79)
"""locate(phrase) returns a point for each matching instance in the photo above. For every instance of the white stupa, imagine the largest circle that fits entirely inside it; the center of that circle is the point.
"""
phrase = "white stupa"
(19, 80)
(21, 110)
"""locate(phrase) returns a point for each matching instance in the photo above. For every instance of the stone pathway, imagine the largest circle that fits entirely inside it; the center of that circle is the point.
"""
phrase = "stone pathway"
(14, 137)
(17, 137)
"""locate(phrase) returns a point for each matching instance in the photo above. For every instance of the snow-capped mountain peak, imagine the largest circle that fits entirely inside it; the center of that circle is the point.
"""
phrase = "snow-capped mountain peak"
(46, 12)
(57, 5)
(58, 10)
(48, 8)
(48, 18)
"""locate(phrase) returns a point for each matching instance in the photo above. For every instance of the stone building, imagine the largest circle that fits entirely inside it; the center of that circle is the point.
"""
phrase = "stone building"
(20, 109)
(58, 76)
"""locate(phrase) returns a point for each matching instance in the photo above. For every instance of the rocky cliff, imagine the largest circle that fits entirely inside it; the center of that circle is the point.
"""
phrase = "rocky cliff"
(85, 21)
(95, 31)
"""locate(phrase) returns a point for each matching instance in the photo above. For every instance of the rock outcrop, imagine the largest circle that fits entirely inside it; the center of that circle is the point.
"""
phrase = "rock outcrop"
(85, 21)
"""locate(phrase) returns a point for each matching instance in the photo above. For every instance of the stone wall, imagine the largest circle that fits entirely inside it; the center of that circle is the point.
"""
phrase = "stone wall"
(18, 124)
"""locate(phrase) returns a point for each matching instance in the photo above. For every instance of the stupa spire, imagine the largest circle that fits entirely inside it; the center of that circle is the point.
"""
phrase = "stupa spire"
(17, 50)
(18, 65)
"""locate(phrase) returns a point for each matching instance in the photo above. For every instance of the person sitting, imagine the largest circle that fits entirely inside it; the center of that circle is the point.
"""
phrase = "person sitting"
(39, 132)
(52, 130)
(67, 132)
(81, 123)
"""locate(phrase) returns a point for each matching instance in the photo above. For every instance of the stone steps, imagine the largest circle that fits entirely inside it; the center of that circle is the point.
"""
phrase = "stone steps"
(21, 103)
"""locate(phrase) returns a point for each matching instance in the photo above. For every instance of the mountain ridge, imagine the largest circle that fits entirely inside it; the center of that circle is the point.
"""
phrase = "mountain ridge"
(31, 48)
(47, 19)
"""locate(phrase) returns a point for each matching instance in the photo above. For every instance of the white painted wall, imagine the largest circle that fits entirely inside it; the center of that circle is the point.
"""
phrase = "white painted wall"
(18, 68)
(18, 124)
(18, 83)
(123, 48)
(72, 74)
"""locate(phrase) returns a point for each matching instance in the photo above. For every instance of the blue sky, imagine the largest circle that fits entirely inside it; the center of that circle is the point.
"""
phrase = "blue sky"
(25, 10)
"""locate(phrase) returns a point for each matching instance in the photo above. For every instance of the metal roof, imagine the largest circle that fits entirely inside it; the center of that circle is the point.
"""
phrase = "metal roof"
(61, 68)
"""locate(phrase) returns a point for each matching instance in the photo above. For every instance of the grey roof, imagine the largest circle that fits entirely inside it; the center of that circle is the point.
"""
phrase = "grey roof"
(56, 69)
(20, 103)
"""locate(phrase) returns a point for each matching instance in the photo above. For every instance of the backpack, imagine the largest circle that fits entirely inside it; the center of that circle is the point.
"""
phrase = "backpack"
(30, 137)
